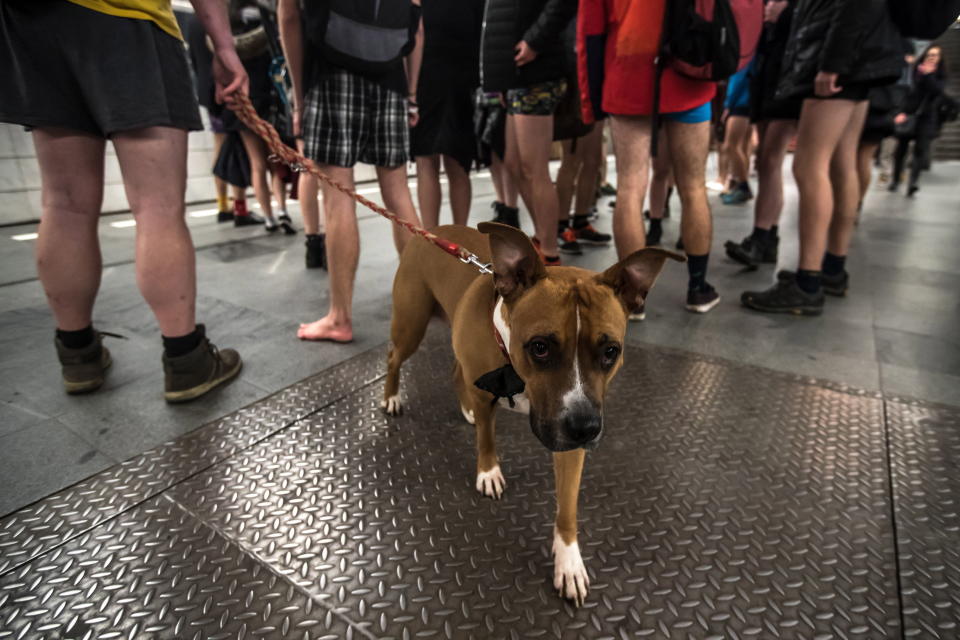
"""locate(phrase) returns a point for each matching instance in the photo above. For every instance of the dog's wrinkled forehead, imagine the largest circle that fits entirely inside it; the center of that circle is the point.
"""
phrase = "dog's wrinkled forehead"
(551, 305)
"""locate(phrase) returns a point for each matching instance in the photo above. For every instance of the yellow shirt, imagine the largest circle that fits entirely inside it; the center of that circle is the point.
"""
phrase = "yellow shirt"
(157, 11)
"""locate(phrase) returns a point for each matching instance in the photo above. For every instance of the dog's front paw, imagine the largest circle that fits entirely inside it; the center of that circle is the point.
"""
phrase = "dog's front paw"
(569, 574)
(491, 483)
(392, 405)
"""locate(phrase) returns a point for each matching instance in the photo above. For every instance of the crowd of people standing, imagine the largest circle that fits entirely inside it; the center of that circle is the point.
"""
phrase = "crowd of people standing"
(451, 86)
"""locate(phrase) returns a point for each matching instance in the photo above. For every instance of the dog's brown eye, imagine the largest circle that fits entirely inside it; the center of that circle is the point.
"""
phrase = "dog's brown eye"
(610, 355)
(539, 349)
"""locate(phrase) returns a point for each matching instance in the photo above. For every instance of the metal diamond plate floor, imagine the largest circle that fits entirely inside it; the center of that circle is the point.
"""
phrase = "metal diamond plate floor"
(725, 501)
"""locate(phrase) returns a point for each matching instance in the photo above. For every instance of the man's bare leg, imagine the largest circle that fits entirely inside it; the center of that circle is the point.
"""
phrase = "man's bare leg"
(775, 138)
(459, 188)
(503, 183)
(823, 124)
(428, 189)
(343, 251)
(397, 198)
(845, 180)
(257, 153)
(689, 145)
(631, 146)
(532, 139)
(153, 162)
(68, 250)
(589, 149)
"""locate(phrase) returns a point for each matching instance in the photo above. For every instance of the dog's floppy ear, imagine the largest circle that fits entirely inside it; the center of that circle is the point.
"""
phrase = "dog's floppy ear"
(516, 265)
(633, 277)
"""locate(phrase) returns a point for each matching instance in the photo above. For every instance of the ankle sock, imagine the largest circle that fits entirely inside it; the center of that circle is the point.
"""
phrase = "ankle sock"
(77, 339)
(697, 268)
(581, 220)
(182, 345)
(656, 224)
(833, 264)
(223, 203)
(808, 281)
(762, 236)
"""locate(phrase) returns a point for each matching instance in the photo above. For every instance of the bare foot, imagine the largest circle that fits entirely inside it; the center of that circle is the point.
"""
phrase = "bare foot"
(326, 329)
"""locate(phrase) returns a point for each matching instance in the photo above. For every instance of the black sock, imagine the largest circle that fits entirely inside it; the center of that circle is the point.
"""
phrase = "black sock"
(762, 236)
(581, 220)
(182, 345)
(775, 231)
(833, 264)
(808, 281)
(77, 339)
(656, 223)
(697, 268)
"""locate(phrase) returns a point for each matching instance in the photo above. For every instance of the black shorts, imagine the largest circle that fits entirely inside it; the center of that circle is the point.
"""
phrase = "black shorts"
(75, 68)
(348, 118)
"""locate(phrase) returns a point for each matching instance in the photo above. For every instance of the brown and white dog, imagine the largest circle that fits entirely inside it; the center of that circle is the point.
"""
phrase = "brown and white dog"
(561, 329)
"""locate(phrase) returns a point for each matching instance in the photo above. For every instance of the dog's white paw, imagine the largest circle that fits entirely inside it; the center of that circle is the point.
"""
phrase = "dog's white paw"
(392, 405)
(491, 483)
(569, 575)
(468, 414)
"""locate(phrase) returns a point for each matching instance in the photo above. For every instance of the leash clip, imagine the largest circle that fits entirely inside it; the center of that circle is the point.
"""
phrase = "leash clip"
(475, 261)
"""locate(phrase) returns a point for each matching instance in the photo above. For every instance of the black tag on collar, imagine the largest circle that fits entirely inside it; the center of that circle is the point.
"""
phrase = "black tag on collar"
(502, 383)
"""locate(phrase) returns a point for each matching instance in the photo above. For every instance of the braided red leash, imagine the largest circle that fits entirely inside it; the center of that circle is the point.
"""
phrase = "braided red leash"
(281, 152)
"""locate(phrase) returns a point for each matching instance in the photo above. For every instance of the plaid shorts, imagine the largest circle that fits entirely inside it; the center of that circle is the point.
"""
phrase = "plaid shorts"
(348, 119)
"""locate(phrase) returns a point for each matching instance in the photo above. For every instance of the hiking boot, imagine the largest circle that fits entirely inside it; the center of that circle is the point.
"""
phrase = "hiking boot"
(751, 253)
(83, 369)
(193, 374)
(316, 251)
(654, 235)
(832, 284)
(506, 215)
(590, 235)
(248, 220)
(702, 299)
(568, 243)
(785, 296)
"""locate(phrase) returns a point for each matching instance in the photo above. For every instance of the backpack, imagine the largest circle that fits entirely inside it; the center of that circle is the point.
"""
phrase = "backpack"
(363, 36)
(923, 19)
(710, 39)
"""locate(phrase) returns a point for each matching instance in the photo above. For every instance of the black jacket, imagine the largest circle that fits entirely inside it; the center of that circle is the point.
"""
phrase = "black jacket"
(856, 39)
(540, 23)
(926, 92)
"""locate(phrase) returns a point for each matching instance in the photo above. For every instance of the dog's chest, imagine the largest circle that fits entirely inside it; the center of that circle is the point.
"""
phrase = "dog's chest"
(521, 403)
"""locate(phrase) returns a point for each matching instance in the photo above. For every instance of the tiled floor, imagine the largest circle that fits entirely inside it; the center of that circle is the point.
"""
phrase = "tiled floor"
(894, 333)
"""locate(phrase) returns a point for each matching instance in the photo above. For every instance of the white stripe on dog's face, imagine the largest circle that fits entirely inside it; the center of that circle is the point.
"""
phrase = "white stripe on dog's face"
(575, 395)
(500, 324)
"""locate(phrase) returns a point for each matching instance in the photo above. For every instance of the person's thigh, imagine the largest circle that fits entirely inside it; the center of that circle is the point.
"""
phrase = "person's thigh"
(819, 131)
(71, 170)
(534, 136)
(689, 145)
(153, 162)
(631, 148)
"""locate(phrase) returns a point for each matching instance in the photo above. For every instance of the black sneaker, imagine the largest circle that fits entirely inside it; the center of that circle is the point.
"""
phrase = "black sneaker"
(224, 216)
(84, 369)
(506, 215)
(832, 284)
(196, 373)
(785, 296)
(607, 189)
(893, 187)
(287, 227)
(248, 220)
(747, 252)
(654, 235)
(316, 251)
(590, 235)
(568, 243)
(702, 299)
(285, 217)
(271, 226)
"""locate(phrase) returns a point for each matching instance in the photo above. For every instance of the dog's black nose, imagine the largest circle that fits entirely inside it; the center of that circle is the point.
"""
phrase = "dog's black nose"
(583, 425)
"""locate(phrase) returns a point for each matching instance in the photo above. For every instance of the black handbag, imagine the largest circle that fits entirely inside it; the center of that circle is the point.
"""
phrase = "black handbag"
(907, 128)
